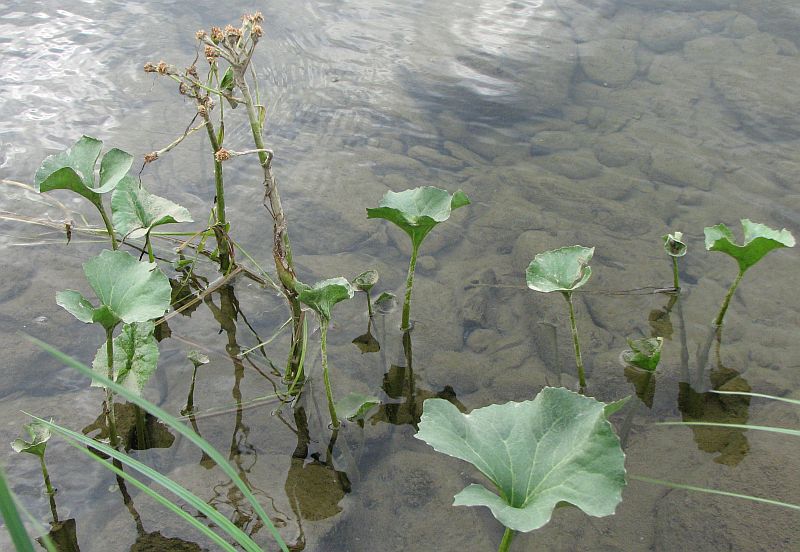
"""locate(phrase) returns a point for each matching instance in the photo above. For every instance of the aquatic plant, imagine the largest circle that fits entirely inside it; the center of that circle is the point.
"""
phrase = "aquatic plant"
(365, 282)
(321, 297)
(39, 435)
(564, 270)
(416, 212)
(10, 514)
(759, 240)
(675, 247)
(74, 169)
(130, 292)
(643, 353)
(82, 442)
(557, 448)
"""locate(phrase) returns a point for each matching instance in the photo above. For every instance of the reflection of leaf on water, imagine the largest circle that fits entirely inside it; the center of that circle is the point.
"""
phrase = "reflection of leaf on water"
(367, 343)
(156, 433)
(181, 295)
(644, 383)
(315, 489)
(660, 324)
(63, 535)
(152, 542)
(731, 443)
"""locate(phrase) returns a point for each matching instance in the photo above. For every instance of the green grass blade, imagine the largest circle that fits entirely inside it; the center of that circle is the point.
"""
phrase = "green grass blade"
(759, 395)
(190, 498)
(8, 509)
(715, 491)
(168, 504)
(174, 424)
(770, 429)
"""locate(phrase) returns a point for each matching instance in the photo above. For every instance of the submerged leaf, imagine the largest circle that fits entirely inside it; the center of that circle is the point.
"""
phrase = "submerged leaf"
(73, 169)
(322, 296)
(136, 211)
(564, 269)
(759, 240)
(355, 405)
(39, 434)
(674, 245)
(643, 353)
(419, 210)
(557, 448)
(129, 291)
(135, 357)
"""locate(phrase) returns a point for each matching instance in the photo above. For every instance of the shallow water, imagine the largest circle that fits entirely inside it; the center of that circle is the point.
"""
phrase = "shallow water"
(595, 122)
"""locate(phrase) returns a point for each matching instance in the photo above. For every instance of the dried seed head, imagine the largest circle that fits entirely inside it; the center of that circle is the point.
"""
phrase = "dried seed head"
(162, 68)
(257, 17)
(192, 71)
(222, 155)
(230, 30)
(183, 89)
(149, 68)
(216, 34)
(150, 157)
(200, 35)
(211, 54)
(201, 109)
(257, 31)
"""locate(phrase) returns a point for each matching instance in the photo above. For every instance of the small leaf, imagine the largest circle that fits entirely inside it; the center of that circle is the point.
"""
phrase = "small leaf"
(673, 244)
(612, 408)
(557, 448)
(386, 302)
(322, 296)
(136, 211)
(128, 290)
(39, 434)
(227, 80)
(355, 405)
(564, 269)
(366, 280)
(197, 358)
(643, 353)
(113, 168)
(135, 357)
(758, 241)
(419, 210)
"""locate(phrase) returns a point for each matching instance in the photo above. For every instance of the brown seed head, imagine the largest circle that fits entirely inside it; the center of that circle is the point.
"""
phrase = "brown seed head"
(162, 68)
(183, 89)
(211, 54)
(201, 110)
(200, 35)
(216, 34)
(192, 71)
(222, 155)
(150, 68)
(150, 157)
(230, 30)
(257, 31)
(257, 17)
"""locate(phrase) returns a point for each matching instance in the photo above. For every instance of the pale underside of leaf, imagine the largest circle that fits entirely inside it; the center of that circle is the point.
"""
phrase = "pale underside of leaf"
(136, 211)
(323, 295)
(563, 269)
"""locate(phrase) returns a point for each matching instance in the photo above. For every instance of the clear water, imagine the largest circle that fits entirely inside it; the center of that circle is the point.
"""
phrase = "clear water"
(599, 122)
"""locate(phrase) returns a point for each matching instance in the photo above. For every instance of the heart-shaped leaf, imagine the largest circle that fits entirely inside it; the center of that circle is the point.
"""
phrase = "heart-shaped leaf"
(674, 245)
(73, 169)
(355, 405)
(136, 211)
(128, 290)
(39, 434)
(135, 357)
(643, 353)
(419, 210)
(322, 296)
(758, 241)
(564, 269)
(557, 448)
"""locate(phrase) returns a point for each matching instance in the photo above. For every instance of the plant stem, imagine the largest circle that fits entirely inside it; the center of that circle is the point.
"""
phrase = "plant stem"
(369, 306)
(328, 393)
(405, 326)
(727, 300)
(112, 421)
(577, 345)
(50, 490)
(505, 544)
(219, 195)
(149, 245)
(676, 283)
(109, 226)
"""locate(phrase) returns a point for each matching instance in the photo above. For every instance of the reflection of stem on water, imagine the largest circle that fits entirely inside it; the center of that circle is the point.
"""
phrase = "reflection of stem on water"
(554, 365)
(702, 358)
(684, 341)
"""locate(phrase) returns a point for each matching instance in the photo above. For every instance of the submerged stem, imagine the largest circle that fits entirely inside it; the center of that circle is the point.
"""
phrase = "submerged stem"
(112, 421)
(728, 297)
(328, 393)
(676, 283)
(577, 345)
(505, 544)
(405, 326)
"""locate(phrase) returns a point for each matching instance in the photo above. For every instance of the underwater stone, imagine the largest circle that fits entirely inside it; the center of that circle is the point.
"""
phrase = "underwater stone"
(742, 26)
(679, 167)
(618, 149)
(669, 31)
(609, 61)
(460, 152)
(550, 141)
(433, 158)
(575, 165)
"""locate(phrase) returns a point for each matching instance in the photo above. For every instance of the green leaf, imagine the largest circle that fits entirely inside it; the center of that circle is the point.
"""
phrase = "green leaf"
(758, 241)
(128, 290)
(355, 405)
(612, 408)
(39, 434)
(9, 512)
(557, 448)
(673, 244)
(322, 296)
(135, 357)
(227, 80)
(644, 353)
(564, 269)
(197, 358)
(136, 211)
(366, 280)
(419, 210)
(386, 302)
(73, 169)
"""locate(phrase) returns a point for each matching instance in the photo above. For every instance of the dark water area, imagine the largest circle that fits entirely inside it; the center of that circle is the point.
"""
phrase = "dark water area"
(596, 122)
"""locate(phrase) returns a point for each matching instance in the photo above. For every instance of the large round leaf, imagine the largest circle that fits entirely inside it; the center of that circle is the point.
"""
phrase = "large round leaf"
(562, 269)
(417, 211)
(558, 447)
(73, 169)
(135, 357)
(759, 240)
(136, 211)
(322, 296)
(128, 290)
